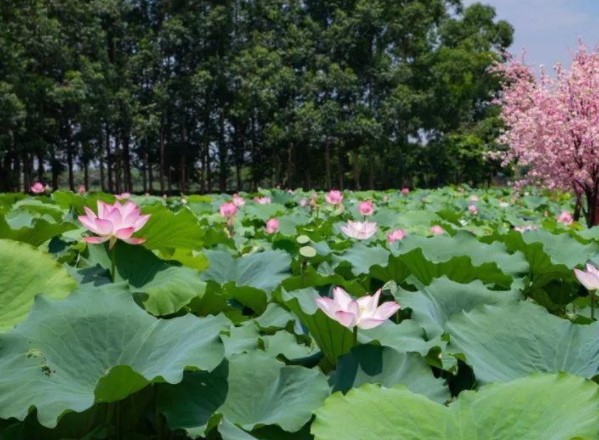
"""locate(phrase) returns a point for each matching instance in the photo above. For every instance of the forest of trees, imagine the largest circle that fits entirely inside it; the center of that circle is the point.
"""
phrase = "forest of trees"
(223, 95)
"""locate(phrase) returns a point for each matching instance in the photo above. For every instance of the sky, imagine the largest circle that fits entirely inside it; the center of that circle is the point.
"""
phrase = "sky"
(549, 29)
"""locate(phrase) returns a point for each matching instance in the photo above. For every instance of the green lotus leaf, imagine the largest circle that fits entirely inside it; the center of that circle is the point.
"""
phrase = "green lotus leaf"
(507, 342)
(388, 367)
(164, 287)
(251, 391)
(331, 337)
(548, 407)
(434, 304)
(264, 270)
(24, 273)
(169, 230)
(97, 346)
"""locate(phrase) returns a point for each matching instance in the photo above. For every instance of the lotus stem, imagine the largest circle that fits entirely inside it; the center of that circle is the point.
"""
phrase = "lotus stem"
(355, 336)
(113, 260)
(592, 293)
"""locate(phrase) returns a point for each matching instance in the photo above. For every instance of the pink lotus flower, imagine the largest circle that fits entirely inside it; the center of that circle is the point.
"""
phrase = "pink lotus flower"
(566, 218)
(405, 191)
(396, 235)
(228, 210)
(359, 230)
(303, 202)
(114, 222)
(364, 312)
(81, 190)
(334, 197)
(123, 196)
(366, 208)
(238, 200)
(437, 230)
(38, 188)
(272, 226)
(473, 209)
(588, 278)
(262, 200)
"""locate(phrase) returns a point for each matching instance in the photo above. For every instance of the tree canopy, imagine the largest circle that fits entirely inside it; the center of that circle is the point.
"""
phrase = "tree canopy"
(204, 95)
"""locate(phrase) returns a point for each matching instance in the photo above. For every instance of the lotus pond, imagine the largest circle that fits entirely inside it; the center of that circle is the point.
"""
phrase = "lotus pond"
(450, 314)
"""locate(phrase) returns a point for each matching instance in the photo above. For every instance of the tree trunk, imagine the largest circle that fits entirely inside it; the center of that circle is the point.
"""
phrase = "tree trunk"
(109, 162)
(327, 164)
(70, 164)
(118, 165)
(162, 161)
(126, 158)
(222, 153)
(86, 175)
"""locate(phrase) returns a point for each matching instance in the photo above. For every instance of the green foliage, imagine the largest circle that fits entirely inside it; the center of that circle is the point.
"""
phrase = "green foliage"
(543, 406)
(211, 328)
(145, 95)
(24, 273)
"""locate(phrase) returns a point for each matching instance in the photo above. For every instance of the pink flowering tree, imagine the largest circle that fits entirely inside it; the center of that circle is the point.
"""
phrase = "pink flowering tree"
(552, 126)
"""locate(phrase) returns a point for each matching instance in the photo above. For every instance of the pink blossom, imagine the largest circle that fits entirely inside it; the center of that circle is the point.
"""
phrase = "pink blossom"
(303, 202)
(38, 188)
(272, 226)
(405, 191)
(566, 218)
(125, 196)
(359, 230)
(553, 125)
(473, 209)
(396, 235)
(81, 190)
(364, 313)
(238, 200)
(334, 197)
(262, 200)
(114, 222)
(588, 278)
(366, 208)
(228, 210)
(437, 230)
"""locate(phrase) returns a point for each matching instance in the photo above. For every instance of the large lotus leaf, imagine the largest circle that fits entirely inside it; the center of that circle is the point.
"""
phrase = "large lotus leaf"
(97, 346)
(166, 229)
(562, 248)
(460, 269)
(253, 390)
(24, 273)
(362, 258)
(165, 286)
(512, 341)
(262, 212)
(331, 337)
(434, 304)
(406, 337)
(34, 231)
(545, 260)
(388, 367)
(548, 407)
(288, 394)
(263, 271)
(442, 248)
(285, 344)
